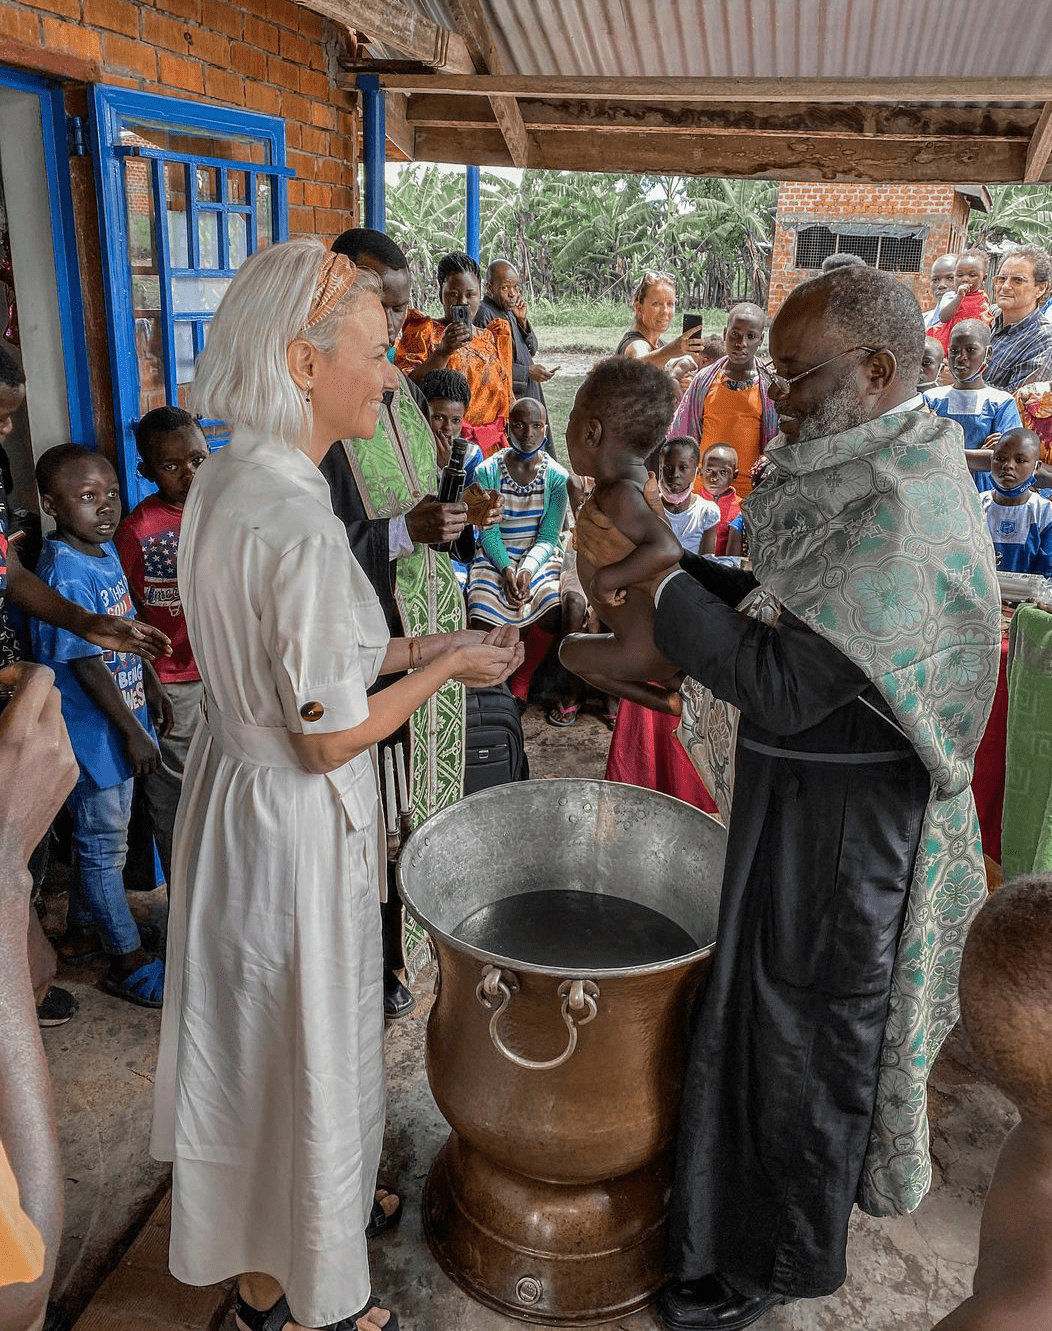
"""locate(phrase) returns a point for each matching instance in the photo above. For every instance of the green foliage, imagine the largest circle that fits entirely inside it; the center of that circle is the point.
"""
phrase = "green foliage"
(586, 239)
(1021, 213)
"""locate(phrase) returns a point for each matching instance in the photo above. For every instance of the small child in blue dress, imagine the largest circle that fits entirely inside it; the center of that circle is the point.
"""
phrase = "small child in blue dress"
(1020, 521)
(979, 410)
(104, 705)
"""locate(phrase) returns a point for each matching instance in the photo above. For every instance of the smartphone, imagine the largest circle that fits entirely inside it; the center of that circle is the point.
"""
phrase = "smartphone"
(692, 320)
(460, 314)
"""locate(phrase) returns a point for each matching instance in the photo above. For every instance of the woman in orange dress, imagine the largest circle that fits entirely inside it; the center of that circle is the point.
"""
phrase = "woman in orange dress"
(482, 355)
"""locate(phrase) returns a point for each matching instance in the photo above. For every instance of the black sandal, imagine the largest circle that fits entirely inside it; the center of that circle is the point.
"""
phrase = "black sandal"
(280, 1314)
(379, 1220)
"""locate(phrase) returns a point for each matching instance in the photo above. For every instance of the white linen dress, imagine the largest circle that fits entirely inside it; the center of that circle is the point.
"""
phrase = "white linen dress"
(269, 1095)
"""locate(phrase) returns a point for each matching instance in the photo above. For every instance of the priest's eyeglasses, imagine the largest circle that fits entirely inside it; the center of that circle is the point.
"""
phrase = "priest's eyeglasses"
(778, 385)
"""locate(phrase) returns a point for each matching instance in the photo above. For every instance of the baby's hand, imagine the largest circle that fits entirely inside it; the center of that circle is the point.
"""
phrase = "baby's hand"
(605, 590)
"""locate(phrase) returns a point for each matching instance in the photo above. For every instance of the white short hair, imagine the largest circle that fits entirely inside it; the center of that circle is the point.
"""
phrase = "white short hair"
(242, 376)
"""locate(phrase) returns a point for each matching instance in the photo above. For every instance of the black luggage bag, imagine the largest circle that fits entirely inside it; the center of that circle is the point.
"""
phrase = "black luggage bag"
(496, 753)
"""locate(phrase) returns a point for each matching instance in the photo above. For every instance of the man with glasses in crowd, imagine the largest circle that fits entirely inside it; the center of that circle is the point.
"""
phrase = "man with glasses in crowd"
(845, 682)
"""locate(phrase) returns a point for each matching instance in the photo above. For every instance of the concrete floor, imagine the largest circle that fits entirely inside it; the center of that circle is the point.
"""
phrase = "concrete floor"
(904, 1274)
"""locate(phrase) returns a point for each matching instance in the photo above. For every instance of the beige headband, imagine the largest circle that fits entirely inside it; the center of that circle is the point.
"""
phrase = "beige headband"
(336, 276)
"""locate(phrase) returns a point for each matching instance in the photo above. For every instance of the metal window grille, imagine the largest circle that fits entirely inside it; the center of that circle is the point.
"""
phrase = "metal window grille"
(895, 254)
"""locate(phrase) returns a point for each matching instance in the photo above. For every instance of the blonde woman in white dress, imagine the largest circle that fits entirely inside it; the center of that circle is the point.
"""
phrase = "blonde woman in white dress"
(270, 1095)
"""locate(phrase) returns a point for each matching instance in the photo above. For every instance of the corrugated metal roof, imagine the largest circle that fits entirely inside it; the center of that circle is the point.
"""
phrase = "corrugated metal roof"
(768, 38)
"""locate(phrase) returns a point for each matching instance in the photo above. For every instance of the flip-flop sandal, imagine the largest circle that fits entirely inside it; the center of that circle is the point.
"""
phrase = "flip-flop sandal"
(563, 716)
(379, 1220)
(610, 720)
(144, 987)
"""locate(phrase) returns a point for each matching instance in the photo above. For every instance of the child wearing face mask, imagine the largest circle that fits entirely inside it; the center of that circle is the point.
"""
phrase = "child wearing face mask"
(693, 519)
(1019, 521)
(515, 578)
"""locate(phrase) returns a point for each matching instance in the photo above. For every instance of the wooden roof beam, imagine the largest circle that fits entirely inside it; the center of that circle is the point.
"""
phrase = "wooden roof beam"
(760, 156)
(1040, 147)
(396, 124)
(444, 110)
(473, 26)
(896, 91)
(401, 28)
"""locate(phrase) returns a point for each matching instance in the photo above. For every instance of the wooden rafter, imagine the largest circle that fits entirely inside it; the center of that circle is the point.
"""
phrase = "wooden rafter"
(925, 92)
(474, 27)
(397, 127)
(749, 155)
(826, 120)
(400, 28)
(1040, 146)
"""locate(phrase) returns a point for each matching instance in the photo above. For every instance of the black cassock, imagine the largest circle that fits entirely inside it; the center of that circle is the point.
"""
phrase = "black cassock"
(781, 1079)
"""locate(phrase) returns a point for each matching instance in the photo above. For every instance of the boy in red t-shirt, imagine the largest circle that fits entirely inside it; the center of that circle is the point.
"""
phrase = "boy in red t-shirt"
(719, 467)
(171, 448)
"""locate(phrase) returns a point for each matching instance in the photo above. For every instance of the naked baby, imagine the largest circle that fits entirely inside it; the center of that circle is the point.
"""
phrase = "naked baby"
(620, 417)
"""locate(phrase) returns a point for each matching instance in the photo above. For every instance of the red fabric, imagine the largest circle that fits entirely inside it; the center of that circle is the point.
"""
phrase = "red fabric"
(536, 647)
(973, 306)
(988, 782)
(729, 505)
(147, 542)
(644, 751)
(490, 438)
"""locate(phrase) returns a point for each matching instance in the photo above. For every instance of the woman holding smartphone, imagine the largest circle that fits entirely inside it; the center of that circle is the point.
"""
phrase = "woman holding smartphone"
(482, 355)
(654, 304)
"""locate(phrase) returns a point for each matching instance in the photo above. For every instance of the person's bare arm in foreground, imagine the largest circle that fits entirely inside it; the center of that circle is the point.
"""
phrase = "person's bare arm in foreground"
(39, 771)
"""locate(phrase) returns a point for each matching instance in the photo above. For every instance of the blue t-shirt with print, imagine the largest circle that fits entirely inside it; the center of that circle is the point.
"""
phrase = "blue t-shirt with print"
(99, 585)
(1021, 533)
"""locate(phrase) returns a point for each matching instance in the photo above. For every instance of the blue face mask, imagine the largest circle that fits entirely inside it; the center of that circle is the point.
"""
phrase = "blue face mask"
(1016, 490)
(390, 354)
(522, 452)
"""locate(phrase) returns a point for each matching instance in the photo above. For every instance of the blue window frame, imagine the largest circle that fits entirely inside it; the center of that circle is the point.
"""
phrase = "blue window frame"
(186, 192)
(64, 243)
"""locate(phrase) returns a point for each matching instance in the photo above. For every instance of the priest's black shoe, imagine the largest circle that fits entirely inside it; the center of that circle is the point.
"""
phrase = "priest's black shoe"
(398, 1001)
(710, 1304)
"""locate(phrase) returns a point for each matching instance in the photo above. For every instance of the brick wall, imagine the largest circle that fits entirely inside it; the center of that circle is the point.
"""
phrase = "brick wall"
(938, 207)
(267, 56)
(264, 56)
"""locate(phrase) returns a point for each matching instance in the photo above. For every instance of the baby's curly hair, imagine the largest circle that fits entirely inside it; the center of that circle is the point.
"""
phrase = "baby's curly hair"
(1006, 991)
(637, 398)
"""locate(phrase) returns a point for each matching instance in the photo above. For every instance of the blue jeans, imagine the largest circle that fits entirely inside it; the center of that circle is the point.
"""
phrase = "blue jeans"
(100, 838)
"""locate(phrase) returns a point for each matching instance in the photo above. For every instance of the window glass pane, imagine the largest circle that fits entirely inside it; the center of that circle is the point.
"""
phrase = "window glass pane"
(235, 187)
(198, 295)
(178, 236)
(208, 239)
(207, 180)
(145, 284)
(184, 353)
(264, 215)
(237, 239)
(195, 142)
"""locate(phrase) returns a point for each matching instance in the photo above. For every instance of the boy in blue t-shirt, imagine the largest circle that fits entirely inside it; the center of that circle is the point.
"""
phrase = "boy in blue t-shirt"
(1019, 520)
(103, 705)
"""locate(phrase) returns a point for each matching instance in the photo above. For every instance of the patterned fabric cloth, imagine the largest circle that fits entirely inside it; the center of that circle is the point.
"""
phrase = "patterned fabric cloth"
(1026, 838)
(392, 470)
(874, 539)
(1019, 352)
(148, 542)
(1035, 411)
(486, 363)
(528, 537)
